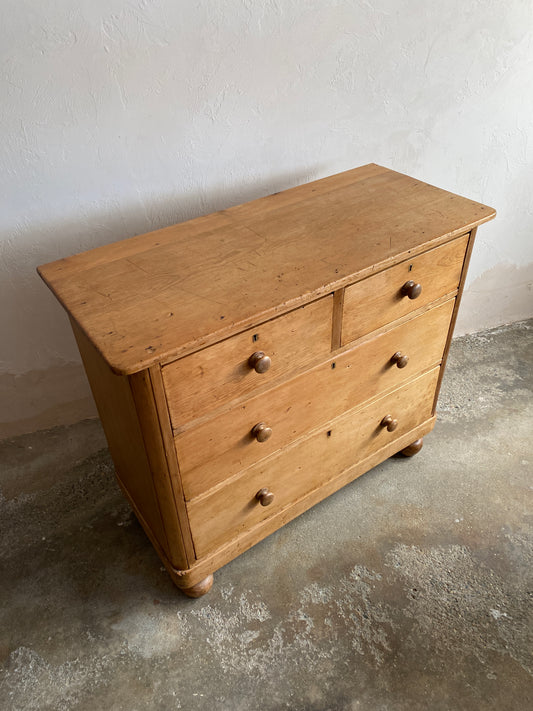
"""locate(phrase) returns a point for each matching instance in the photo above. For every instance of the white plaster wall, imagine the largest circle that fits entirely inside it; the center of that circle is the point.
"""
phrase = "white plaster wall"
(121, 116)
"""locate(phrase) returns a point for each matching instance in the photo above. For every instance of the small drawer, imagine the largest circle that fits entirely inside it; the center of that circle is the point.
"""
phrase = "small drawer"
(204, 380)
(396, 292)
(222, 446)
(290, 475)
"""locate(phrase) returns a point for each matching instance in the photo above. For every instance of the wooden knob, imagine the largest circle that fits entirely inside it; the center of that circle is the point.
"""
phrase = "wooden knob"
(389, 422)
(265, 497)
(399, 359)
(261, 432)
(413, 448)
(411, 290)
(259, 361)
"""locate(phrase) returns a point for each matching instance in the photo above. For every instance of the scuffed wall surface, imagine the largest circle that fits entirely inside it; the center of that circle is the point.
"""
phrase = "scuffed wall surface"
(119, 117)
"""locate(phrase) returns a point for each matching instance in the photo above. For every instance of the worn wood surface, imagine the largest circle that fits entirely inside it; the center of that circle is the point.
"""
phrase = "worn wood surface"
(152, 298)
(135, 447)
(462, 281)
(223, 445)
(211, 562)
(213, 455)
(413, 448)
(202, 381)
(173, 498)
(200, 589)
(336, 331)
(307, 465)
(375, 301)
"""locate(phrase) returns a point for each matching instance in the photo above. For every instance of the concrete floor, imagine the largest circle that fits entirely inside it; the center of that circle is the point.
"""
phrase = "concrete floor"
(411, 588)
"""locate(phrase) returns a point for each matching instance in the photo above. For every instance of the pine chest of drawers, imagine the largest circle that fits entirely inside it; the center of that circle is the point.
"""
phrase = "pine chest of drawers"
(249, 363)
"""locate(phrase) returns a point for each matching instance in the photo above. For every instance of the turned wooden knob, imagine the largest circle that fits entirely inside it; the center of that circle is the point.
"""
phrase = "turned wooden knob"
(413, 448)
(259, 361)
(399, 359)
(265, 497)
(389, 422)
(261, 431)
(200, 588)
(411, 290)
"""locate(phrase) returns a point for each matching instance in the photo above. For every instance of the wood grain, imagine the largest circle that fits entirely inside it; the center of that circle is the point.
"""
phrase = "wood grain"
(166, 466)
(220, 556)
(307, 465)
(377, 300)
(222, 446)
(338, 308)
(215, 450)
(458, 298)
(127, 438)
(171, 292)
(202, 381)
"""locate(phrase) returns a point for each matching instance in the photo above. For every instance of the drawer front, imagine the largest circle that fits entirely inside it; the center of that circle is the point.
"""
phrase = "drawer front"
(378, 300)
(211, 452)
(198, 383)
(308, 464)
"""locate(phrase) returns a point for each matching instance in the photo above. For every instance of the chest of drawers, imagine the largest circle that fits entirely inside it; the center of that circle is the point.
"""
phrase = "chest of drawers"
(247, 364)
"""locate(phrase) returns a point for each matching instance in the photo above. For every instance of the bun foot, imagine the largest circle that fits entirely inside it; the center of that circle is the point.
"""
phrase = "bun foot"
(200, 588)
(413, 448)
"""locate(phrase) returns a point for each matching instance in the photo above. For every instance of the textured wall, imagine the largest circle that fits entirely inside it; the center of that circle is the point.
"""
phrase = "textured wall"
(121, 116)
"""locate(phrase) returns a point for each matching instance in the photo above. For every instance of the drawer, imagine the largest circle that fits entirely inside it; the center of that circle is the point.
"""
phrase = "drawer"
(304, 467)
(214, 450)
(200, 382)
(378, 300)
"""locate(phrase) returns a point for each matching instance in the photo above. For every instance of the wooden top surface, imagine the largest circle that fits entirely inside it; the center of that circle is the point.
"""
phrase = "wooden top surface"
(166, 293)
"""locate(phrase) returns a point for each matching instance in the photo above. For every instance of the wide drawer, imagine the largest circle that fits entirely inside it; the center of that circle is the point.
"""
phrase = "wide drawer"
(304, 467)
(215, 450)
(200, 382)
(381, 299)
